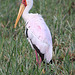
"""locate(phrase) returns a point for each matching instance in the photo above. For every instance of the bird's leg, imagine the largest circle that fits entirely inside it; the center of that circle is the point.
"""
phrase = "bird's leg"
(36, 57)
(40, 61)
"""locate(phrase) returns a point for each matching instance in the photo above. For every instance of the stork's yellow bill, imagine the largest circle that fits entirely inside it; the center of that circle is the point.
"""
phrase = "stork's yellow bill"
(22, 7)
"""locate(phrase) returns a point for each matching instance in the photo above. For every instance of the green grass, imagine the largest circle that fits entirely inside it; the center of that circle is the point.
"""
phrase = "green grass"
(16, 55)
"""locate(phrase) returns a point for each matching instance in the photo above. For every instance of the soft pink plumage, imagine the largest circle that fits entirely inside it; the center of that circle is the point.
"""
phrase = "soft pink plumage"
(37, 32)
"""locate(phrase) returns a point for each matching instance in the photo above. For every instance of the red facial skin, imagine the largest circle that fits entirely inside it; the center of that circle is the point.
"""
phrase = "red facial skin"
(24, 2)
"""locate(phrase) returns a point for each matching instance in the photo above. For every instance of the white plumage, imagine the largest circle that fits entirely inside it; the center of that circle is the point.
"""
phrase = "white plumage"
(37, 32)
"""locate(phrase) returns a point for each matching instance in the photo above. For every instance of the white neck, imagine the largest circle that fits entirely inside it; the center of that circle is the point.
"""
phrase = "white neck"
(27, 9)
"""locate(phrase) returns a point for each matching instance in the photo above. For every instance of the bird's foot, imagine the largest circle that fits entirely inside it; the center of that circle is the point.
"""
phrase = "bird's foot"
(43, 71)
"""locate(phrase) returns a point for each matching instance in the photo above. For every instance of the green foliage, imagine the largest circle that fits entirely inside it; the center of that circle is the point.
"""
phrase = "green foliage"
(16, 55)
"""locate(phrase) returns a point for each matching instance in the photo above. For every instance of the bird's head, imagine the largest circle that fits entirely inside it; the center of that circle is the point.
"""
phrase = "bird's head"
(24, 4)
(27, 2)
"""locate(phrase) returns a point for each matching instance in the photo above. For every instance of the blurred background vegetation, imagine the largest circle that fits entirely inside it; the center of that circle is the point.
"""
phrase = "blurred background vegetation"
(16, 55)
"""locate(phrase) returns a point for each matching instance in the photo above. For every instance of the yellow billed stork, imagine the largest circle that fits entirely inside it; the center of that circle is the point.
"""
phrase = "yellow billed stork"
(36, 31)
